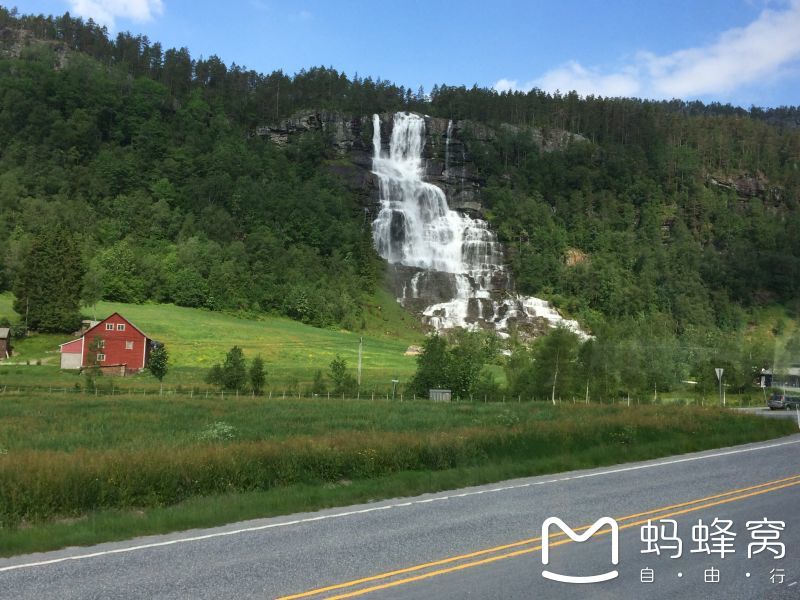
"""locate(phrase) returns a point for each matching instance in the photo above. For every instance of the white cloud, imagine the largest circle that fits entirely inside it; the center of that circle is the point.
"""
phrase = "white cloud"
(739, 57)
(574, 76)
(506, 85)
(106, 12)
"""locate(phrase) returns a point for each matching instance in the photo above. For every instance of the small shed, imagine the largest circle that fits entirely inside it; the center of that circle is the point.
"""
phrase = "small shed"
(5, 342)
(439, 395)
(72, 354)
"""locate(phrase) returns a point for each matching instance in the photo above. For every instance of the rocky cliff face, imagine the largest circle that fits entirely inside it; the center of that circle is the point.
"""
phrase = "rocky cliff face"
(459, 279)
(448, 160)
(747, 185)
(349, 135)
(14, 41)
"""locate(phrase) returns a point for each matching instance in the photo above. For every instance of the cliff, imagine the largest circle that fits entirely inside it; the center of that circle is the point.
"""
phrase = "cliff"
(448, 156)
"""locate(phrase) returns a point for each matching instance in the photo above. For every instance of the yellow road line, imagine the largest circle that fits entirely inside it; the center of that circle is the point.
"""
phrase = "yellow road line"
(558, 543)
(795, 479)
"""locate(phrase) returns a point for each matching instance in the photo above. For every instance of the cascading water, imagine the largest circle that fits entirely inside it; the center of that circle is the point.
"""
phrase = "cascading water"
(448, 258)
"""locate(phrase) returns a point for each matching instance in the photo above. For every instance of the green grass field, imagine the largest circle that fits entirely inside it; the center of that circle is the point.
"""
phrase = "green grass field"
(78, 468)
(196, 339)
(84, 469)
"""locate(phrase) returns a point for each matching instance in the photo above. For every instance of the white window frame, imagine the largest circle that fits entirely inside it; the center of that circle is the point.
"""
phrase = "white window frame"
(120, 326)
(101, 343)
(128, 344)
(101, 357)
(109, 327)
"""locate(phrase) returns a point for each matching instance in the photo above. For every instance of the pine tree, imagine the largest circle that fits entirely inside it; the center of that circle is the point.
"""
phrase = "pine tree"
(258, 375)
(49, 284)
(234, 370)
(343, 382)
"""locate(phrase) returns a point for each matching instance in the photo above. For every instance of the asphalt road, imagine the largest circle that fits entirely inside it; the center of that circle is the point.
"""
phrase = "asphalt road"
(480, 542)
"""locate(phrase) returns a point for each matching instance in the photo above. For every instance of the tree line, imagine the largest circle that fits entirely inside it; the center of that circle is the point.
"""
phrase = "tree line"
(634, 359)
(234, 374)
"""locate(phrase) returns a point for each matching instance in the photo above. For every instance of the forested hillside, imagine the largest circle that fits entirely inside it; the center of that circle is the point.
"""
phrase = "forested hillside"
(153, 172)
(680, 212)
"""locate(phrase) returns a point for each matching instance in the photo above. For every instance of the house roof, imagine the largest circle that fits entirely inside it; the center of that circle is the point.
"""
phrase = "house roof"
(5, 332)
(69, 342)
(121, 317)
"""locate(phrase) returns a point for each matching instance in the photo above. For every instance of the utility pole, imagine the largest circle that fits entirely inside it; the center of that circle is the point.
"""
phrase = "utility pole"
(360, 346)
(555, 378)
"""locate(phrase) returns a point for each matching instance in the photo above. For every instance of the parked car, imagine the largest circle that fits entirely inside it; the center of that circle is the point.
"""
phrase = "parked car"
(780, 400)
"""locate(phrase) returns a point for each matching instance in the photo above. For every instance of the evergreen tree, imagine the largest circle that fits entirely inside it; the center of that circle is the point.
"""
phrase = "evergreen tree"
(234, 370)
(214, 375)
(232, 373)
(258, 375)
(343, 382)
(48, 287)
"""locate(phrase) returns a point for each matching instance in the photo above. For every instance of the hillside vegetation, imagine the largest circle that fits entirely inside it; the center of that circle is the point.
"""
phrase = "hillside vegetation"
(197, 339)
(147, 156)
(669, 229)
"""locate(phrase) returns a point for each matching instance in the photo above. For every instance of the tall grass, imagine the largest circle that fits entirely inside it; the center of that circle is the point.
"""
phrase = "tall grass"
(36, 485)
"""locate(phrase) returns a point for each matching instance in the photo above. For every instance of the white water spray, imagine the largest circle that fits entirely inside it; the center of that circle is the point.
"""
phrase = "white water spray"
(458, 255)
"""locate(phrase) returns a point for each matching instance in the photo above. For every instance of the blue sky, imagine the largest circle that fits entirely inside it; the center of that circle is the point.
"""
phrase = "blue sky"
(739, 51)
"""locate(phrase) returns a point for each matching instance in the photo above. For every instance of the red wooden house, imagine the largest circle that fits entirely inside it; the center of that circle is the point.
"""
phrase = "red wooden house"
(114, 345)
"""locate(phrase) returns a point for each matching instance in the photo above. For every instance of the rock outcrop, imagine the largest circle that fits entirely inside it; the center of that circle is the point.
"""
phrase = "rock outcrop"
(417, 226)
(448, 158)
(747, 185)
(14, 41)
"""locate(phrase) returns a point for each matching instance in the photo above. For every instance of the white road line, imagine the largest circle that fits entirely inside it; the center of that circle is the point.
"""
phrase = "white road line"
(791, 584)
(198, 538)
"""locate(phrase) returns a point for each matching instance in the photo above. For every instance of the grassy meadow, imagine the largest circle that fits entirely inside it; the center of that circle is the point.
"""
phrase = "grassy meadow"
(82, 469)
(196, 339)
(78, 468)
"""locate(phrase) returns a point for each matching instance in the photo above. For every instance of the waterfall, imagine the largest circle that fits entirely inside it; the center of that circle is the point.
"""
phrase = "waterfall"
(448, 258)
